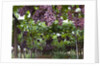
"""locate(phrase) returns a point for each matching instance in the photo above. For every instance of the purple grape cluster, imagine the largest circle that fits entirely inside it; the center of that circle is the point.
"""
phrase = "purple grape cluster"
(36, 15)
(79, 22)
(60, 21)
(70, 15)
(23, 45)
(25, 33)
(67, 38)
(49, 16)
(49, 41)
(48, 46)
(60, 39)
(74, 16)
(44, 14)
(82, 8)
(24, 9)
(58, 17)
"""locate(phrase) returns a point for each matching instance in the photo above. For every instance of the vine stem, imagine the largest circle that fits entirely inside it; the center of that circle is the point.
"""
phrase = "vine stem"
(77, 56)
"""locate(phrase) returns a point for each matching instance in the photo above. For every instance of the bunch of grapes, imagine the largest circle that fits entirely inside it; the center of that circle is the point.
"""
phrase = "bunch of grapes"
(79, 22)
(82, 8)
(25, 33)
(49, 16)
(23, 45)
(49, 41)
(67, 38)
(44, 14)
(48, 46)
(58, 15)
(36, 15)
(74, 16)
(70, 15)
(60, 39)
(22, 11)
(60, 21)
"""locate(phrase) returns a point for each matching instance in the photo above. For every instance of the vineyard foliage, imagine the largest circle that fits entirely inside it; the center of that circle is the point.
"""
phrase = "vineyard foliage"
(48, 31)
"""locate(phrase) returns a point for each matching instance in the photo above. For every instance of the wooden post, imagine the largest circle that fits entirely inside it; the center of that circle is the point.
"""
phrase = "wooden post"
(15, 36)
(77, 56)
(15, 42)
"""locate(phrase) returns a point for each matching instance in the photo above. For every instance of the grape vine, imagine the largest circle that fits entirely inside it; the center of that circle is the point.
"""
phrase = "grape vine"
(48, 29)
